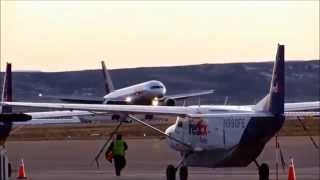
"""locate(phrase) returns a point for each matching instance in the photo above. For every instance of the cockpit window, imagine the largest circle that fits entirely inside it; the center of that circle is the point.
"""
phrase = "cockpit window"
(156, 87)
(180, 124)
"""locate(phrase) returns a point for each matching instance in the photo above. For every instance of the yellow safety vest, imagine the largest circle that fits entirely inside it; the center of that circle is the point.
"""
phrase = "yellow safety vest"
(118, 148)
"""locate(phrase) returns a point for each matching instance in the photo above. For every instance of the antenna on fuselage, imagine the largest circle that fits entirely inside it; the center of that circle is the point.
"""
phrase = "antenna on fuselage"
(184, 103)
(199, 101)
(226, 100)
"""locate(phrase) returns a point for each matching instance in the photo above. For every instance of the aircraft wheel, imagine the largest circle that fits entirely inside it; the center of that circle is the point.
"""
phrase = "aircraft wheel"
(183, 173)
(264, 172)
(171, 172)
(9, 170)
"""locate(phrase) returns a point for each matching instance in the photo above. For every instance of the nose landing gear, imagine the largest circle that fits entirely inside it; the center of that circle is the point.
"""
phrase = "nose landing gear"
(183, 169)
(263, 171)
(171, 172)
(183, 173)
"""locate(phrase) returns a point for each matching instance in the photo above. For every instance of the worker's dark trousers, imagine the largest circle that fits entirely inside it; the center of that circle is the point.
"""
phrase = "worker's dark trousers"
(119, 164)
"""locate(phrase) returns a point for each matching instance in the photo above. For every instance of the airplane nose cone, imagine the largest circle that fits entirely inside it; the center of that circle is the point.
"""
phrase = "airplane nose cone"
(164, 91)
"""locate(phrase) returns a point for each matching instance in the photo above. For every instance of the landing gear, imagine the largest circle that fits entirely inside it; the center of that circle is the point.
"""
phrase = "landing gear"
(264, 172)
(171, 173)
(183, 173)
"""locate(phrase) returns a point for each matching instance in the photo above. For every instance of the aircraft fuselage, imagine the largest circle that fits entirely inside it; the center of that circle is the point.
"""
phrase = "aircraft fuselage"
(226, 141)
(139, 94)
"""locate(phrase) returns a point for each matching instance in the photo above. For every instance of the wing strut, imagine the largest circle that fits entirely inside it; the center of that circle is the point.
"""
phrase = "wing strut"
(159, 131)
(106, 143)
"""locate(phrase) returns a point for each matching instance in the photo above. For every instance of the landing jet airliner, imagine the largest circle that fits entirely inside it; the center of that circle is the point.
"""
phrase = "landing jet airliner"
(215, 136)
(147, 93)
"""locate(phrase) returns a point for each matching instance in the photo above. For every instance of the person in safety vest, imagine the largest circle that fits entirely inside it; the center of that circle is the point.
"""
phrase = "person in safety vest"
(117, 148)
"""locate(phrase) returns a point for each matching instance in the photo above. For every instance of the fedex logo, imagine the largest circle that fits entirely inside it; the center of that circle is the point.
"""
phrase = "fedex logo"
(199, 128)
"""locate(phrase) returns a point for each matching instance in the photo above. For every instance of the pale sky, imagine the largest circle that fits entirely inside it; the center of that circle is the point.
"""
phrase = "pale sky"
(70, 35)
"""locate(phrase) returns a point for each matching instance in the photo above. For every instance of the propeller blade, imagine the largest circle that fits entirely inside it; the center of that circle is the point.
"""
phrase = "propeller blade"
(96, 159)
(307, 131)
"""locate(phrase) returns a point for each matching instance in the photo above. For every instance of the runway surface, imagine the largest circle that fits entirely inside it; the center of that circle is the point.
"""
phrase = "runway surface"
(147, 160)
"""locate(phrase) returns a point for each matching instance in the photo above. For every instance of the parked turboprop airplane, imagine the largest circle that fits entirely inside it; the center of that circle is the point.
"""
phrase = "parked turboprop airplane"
(147, 93)
(8, 118)
(214, 136)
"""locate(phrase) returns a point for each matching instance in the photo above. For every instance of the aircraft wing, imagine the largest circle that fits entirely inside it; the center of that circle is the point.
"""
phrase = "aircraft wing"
(86, 109)
(302, 106)
(103, 108)
(45, 117)
(188, 95)
(77, 99)
(50, 121)
(65, 113)
(294, 114)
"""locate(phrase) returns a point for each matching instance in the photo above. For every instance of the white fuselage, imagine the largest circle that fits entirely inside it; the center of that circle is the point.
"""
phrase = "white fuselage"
(143, 93)
(220, 140)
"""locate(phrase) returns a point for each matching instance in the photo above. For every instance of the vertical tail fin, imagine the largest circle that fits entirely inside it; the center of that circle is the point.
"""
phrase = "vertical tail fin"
(277, 83)
(274, 101)
(107, 79)
(7, 89)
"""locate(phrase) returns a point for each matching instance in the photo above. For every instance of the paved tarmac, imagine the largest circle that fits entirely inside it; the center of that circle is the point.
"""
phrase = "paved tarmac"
(147, 160)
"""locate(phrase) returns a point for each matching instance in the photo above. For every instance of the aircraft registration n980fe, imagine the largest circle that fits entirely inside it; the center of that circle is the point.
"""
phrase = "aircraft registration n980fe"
(214, 136)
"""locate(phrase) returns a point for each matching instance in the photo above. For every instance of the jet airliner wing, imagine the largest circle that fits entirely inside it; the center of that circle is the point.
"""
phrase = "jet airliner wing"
(188, 95)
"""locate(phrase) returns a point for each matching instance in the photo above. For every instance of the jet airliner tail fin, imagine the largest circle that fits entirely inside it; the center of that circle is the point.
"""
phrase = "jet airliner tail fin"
(107, 79)
(274, 101)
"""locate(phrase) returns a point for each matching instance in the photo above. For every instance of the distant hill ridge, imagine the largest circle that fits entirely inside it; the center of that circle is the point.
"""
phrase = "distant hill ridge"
(243, 83)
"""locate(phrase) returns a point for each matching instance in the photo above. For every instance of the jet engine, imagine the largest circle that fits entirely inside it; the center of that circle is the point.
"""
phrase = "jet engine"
(167, 102)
